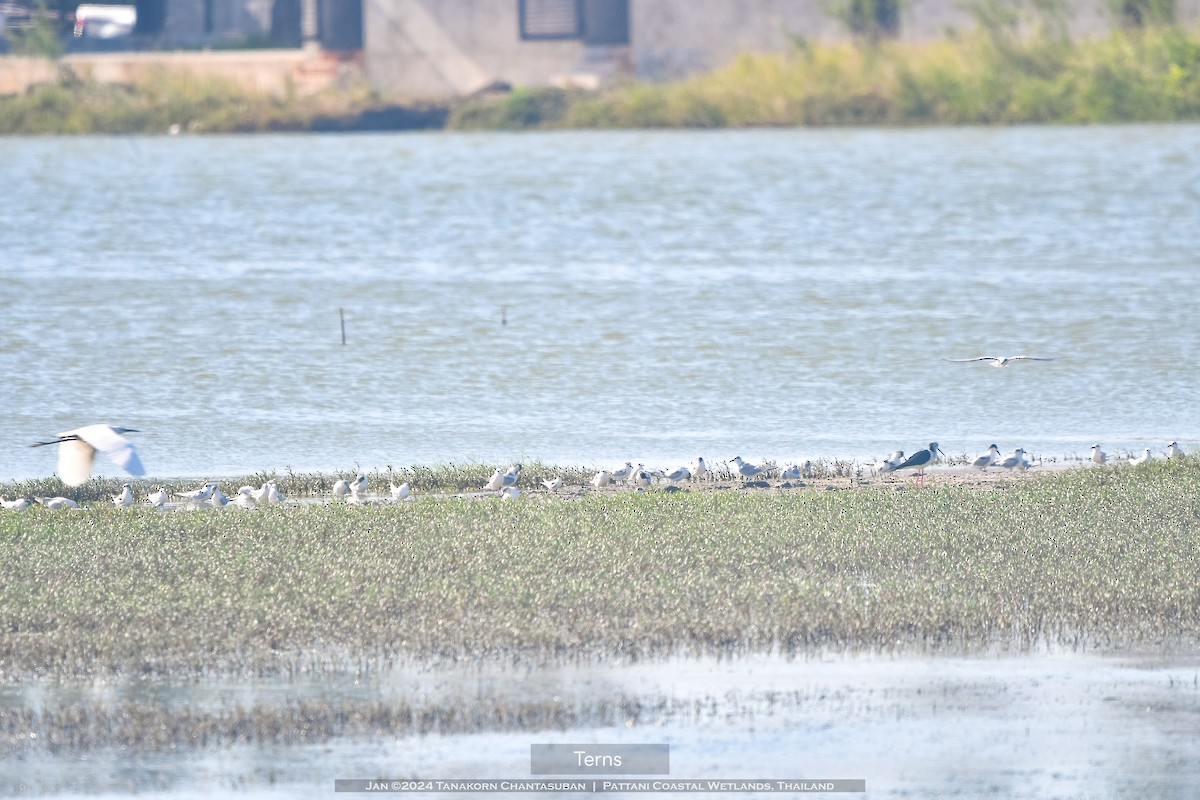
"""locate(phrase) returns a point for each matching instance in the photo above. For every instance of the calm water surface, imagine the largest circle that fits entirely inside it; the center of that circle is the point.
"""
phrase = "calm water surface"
(773, 294)
(1045, 725)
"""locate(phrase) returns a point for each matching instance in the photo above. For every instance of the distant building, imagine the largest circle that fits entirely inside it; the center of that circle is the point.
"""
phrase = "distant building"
(438, 49)
(336, 24)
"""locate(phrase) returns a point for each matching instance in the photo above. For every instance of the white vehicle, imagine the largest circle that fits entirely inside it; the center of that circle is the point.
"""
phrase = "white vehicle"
(104, 22)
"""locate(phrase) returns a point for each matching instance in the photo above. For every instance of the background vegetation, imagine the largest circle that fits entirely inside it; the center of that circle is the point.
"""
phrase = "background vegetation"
(986, 78)
(196, 105)
(1017, 65)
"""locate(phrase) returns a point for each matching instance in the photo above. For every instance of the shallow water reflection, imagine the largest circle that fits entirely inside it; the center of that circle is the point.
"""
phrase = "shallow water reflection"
(1039, 725)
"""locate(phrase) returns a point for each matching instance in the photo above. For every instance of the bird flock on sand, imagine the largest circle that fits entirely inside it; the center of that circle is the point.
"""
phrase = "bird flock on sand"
(77, 450)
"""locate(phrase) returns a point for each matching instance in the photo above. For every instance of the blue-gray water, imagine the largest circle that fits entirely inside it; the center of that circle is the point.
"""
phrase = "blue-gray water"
(1043, 725)
(773, 294)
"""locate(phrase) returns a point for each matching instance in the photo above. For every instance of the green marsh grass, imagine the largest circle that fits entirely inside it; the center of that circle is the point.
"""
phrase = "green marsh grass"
(1089, 558)
(987, 77)
(1140, 75)
(195, 104)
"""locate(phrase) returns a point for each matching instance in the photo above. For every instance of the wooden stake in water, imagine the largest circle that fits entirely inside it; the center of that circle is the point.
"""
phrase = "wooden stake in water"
(503, 315)
(342, 316)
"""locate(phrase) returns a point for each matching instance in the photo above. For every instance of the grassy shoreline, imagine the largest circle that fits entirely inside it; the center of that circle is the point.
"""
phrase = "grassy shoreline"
(305, 598)
(983, 78)
(1083, 558)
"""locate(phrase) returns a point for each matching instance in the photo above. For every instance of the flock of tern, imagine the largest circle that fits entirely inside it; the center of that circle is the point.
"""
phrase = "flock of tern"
(77, 450)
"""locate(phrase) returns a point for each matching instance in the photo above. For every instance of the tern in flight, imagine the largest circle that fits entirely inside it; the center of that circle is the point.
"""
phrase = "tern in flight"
(999, 361)
(77, 449)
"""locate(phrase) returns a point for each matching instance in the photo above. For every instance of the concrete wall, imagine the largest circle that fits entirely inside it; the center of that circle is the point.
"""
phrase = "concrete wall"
(276, 72)
(443, 48)
(672, 38)
(447, 48)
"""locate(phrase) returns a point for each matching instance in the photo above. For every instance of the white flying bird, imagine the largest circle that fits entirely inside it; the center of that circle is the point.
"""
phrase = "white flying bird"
(998, 361)
(77, 449)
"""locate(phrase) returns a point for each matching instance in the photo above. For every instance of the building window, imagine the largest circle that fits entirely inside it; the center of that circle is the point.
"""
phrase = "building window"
(593, 21)
(606, 21)
(551, 19)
